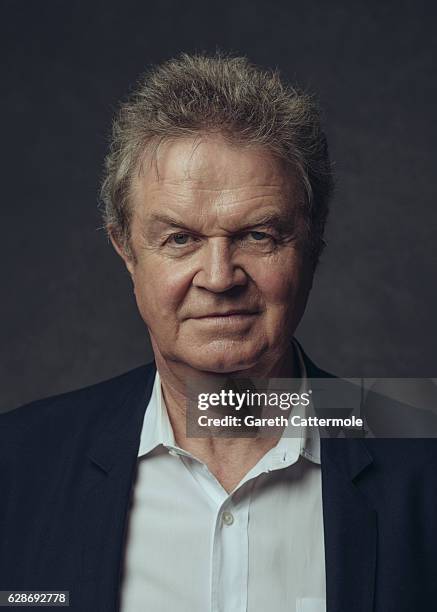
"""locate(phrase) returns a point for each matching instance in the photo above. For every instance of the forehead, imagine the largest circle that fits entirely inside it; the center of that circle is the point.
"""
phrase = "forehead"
(206, 174)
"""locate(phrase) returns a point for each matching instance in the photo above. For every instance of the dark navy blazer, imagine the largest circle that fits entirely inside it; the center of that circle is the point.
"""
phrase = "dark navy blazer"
(67, 468)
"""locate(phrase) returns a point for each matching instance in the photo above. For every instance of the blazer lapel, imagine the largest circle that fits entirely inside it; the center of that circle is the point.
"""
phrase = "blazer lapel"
(108, 483)
(350, 524)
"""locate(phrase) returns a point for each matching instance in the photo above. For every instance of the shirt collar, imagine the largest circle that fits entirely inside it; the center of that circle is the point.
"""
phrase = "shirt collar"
(304, 442)
(157, 429)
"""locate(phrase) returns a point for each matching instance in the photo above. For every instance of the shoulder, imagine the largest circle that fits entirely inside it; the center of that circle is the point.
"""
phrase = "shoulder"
(401, 416)
(69, 413)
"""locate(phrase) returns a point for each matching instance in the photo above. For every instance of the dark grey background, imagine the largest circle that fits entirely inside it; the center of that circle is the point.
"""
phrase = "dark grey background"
(68, 316)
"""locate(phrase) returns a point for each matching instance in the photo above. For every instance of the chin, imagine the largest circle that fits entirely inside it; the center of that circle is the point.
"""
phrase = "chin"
(223, 361)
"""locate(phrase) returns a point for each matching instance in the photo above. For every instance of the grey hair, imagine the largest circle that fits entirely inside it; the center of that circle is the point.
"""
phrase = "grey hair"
(194, 94)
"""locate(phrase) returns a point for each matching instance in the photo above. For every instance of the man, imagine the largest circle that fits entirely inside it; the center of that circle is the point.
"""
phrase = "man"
(216, 195)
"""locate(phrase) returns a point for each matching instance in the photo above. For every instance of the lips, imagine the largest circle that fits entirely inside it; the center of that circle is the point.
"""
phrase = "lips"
(228, 313)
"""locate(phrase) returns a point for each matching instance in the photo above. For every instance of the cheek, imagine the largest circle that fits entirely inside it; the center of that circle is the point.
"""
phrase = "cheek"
(284, 285)
(278, 281)
(160, 289)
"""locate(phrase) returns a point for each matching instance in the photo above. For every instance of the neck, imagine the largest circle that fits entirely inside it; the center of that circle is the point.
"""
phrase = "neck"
(229, 459)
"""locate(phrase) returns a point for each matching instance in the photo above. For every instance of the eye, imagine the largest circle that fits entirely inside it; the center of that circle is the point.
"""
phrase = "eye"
(258, 235)
(261, 241)
(179, 238)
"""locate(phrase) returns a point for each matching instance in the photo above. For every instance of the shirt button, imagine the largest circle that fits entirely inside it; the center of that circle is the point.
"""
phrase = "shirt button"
(227, 518)
(173, 453)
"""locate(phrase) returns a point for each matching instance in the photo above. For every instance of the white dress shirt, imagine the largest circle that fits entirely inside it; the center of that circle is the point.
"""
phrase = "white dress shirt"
(193, 547)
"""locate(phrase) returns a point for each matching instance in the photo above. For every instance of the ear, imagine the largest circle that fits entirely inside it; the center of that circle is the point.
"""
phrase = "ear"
(120, 249)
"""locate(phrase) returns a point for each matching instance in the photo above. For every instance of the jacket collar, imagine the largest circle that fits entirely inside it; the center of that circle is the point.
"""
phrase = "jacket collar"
(350, 456)
(123, 424)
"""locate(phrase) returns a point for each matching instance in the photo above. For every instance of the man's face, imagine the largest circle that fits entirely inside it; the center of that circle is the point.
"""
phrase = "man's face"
(220, 279)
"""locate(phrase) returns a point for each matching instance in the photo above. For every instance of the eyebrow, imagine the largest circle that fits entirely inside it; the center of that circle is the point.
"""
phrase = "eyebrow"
(268, 219)
(168, 220)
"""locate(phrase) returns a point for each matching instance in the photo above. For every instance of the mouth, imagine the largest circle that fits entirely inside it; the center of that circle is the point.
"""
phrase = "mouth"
(228, 314)
(231, 320)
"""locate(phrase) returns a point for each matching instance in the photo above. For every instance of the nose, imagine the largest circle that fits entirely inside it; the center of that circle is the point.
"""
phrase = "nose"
(218, 272)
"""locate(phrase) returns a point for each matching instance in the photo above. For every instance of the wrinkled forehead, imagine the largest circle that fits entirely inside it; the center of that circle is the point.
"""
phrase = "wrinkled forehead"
(210, 164)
